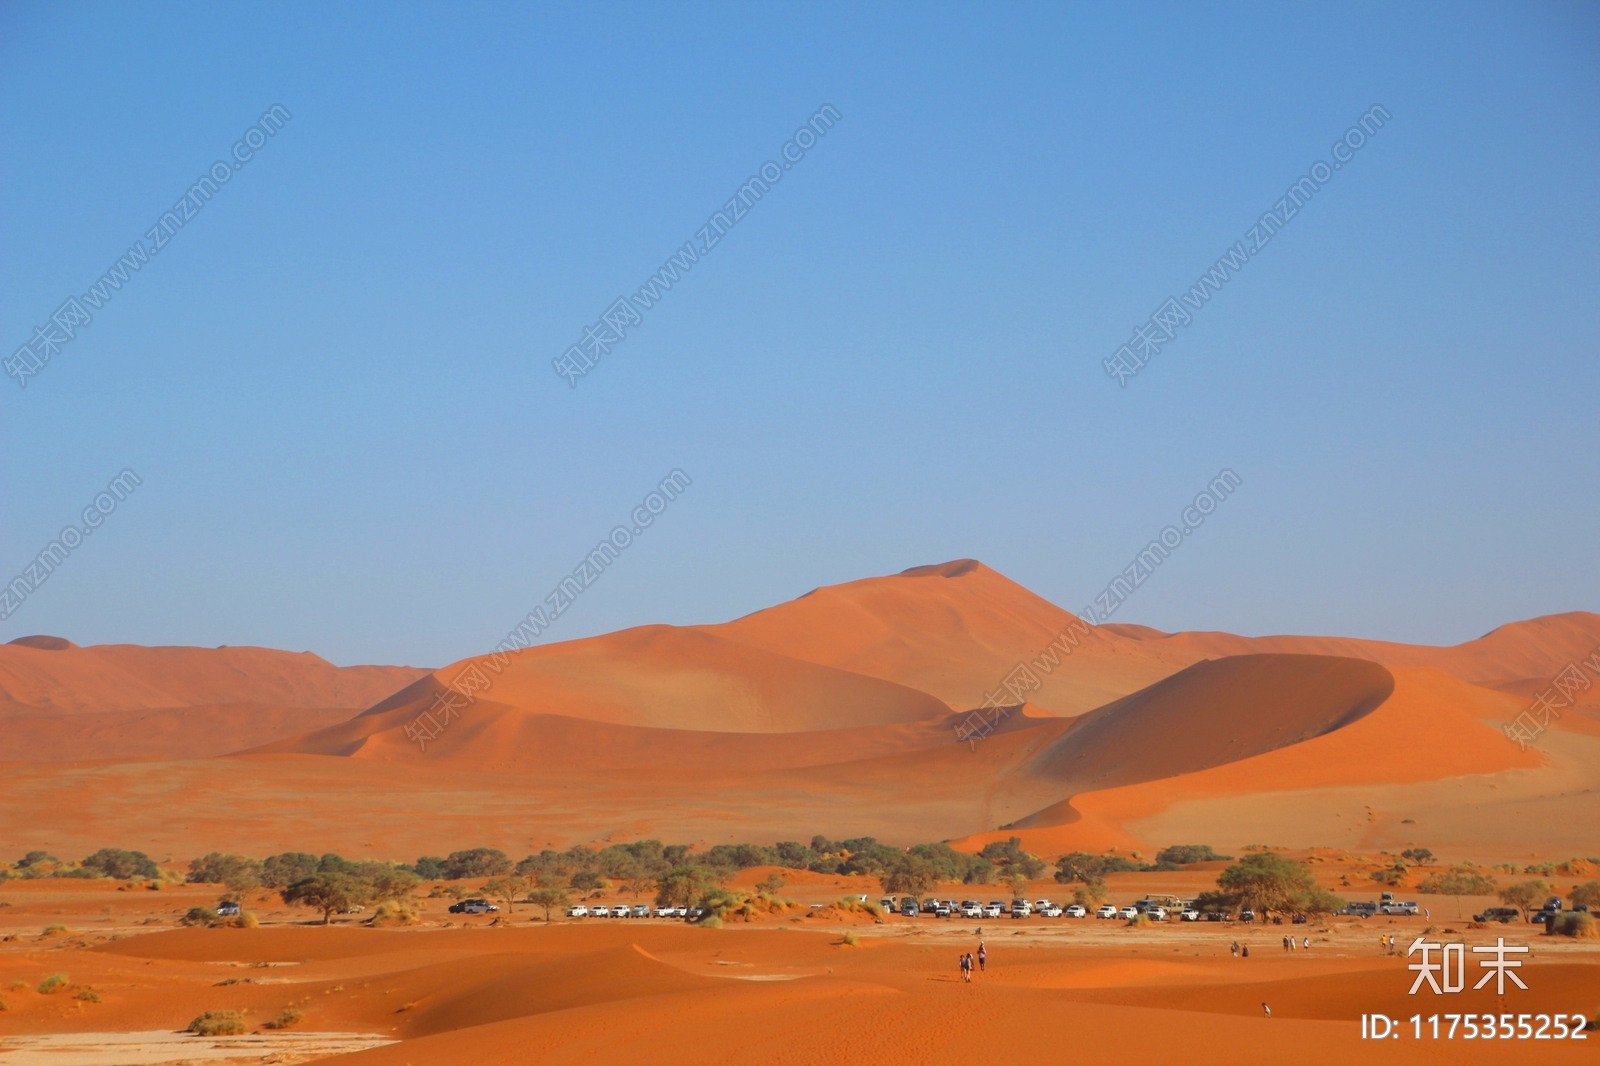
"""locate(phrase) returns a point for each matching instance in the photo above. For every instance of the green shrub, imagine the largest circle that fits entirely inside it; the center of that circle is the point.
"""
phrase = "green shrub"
(218, 1023)
(710, 921)
(287, 1018)
(1184, 854)
(114, 862)
(88, 995)
(851, 939)
(200, 916)
(51, 983)
(1575, 924)
(55, 930)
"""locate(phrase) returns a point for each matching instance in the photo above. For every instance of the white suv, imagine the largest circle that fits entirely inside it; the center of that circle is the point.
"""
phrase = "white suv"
(1075, 911)
(1106, 911)
(580, 911)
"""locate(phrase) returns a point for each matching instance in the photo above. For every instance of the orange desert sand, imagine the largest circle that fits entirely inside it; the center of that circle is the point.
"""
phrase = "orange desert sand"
(834, 713)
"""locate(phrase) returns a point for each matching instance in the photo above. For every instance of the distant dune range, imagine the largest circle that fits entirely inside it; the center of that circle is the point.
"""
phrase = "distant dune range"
(835, 712)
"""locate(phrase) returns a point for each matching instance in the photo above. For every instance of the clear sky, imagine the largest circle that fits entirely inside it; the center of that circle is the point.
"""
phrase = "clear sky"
(334, 381)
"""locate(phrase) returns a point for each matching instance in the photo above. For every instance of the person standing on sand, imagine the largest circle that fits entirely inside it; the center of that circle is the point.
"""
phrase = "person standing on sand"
(1266, 1011)
(983, 956)
(1307, 945)
(1245, 951)
(1235, 949)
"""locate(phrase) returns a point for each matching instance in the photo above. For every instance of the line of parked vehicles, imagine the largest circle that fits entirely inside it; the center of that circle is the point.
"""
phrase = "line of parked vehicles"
(1552, 907)
(638, 910)
(1157, 909)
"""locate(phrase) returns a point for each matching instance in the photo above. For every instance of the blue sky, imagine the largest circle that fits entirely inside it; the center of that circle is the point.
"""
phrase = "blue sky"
(335, 380)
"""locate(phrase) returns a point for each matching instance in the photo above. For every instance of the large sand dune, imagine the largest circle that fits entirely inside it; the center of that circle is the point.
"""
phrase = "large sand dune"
(957, 630)
(1533, 649)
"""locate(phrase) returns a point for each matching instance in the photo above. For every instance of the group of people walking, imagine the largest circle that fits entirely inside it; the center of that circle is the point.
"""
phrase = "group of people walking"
(968, 961)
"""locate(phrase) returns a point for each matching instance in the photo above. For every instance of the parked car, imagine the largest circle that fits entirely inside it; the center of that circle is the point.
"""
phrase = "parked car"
(1021, 908)
(909, 908)
(695, 913)
(598, 911)
(1129, 913)
(994, 909)
(1498, 914)
(888, 904)
(1106, 911)
(1397, 907)
(1190, 915)
(1075, 911)
(641, 910)
(1052, 911)
(1156, 914)
(930, 905)
(1300, 919)
(578, 911)
(1042, 904)
(942, 910)
(473, 906)
(1215, 916)
(228, 909)
(971, 908)
(1552, 904)
(1247, 916)
(1361, 908)
(1542, 917)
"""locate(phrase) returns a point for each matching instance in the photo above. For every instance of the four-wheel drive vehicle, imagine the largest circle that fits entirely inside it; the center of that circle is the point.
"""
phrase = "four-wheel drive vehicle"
(1042, 904)
(1052, 911)
(1497, 914)
(909, 908)
(942, 910)
(1021, 908)
(1247, 916)
(601, 911)
(994, 909)
(1156, 914)
(888, 904)
(579, 911)
(1075, 911)
(930, 905)
(228, 909)
(1129, 913)
(641, 910)
(1361, 908)
(971, 908)
(473, 906)
(1396, 907)
(1552, 904)
(1106, 911)
(1190, 915)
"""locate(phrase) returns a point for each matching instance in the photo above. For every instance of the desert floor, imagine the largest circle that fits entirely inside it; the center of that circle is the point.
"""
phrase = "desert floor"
(785, 989)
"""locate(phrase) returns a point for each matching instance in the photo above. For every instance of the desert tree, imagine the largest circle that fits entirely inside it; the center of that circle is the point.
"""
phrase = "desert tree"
(507, 890)
(549, 899)
(1266, 881)
(1457, 881)
(328, 893)
(1525, 894)
(911, 875)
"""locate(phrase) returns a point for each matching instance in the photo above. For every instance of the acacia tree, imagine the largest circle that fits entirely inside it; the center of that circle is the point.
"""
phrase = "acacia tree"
(1266, 881)
(549, 898)
(1457, 881)
(507, 890)
(1524, 894)
(911, 875)
(1587, 895)
(328, 893)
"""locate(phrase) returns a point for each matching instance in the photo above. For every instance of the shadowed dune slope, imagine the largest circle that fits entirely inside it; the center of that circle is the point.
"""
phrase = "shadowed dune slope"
(50, 675)
(956, 630)
(1535, 648)
(1215, 712)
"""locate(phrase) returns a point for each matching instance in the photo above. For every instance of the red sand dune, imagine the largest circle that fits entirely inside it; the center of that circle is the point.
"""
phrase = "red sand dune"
(1536, 648)
(50, 674)
(955, 630)
(666, 677)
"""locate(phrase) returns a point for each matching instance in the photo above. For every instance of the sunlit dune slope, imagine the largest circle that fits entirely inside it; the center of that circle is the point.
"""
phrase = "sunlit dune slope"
(168, 733)
(956, 630)
(660, 676)
(1535, 648)
(53, 675)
